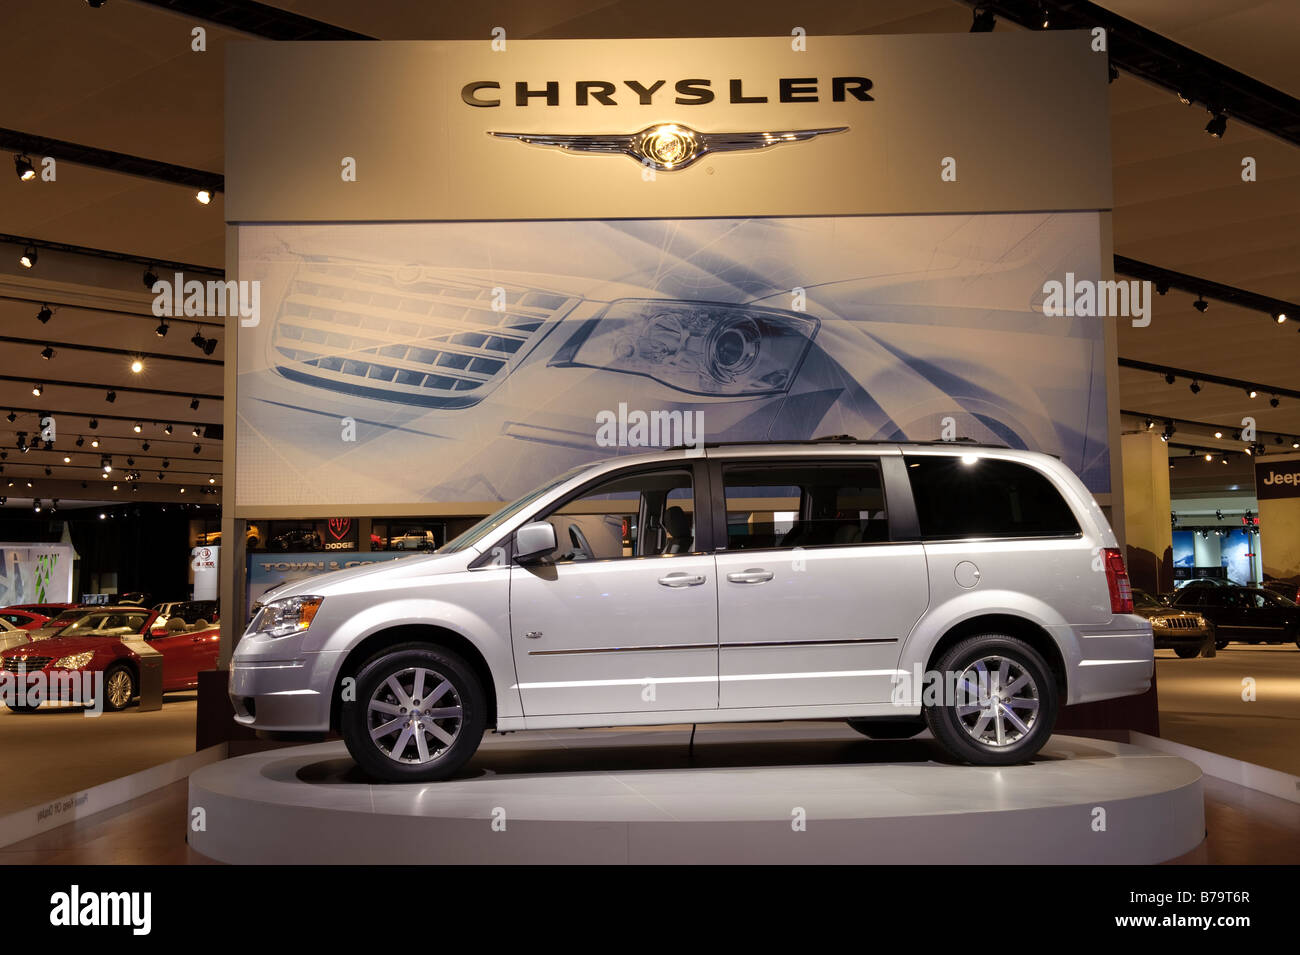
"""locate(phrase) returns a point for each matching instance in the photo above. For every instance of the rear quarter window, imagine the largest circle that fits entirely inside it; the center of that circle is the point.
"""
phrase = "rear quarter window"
(986, 498)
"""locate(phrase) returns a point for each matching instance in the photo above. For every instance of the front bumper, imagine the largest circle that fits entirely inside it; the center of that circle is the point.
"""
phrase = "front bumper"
(280, 692)
(1167, 639)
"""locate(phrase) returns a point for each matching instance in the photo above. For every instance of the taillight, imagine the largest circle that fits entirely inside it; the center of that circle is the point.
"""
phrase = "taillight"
(1121, 591)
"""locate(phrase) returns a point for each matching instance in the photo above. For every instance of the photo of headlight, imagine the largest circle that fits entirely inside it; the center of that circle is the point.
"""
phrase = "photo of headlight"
(704, 348)
(74, 661)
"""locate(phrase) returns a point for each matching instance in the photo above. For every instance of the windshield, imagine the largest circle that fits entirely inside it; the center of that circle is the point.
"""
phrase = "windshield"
(1143, 599)
(65, 618)
(490, 523)
(106, 624)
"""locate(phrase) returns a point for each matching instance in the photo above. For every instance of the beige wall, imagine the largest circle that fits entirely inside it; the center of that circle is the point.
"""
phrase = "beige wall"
(1279, 532)
(1148, 534)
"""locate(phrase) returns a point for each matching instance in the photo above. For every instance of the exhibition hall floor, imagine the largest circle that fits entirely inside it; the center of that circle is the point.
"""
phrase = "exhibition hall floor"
(57, 751)
(1201, 703)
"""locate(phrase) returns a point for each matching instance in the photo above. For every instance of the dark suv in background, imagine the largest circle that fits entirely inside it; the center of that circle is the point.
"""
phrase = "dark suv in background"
(1247, 614)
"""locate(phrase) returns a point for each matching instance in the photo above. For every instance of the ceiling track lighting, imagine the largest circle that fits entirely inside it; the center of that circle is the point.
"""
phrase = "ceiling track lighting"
(1274, 401)
(1195, 387)
(1170, 378)
(23, 166)
(28, 259)
(162, 329)
(1201, 305)
(137, 365)
(111, 396)
(47, 352)
(44, 315)
(1279, 317)
(194, 406)
(1218, 125)
(204, 196)
(38, 390)
(150, 277)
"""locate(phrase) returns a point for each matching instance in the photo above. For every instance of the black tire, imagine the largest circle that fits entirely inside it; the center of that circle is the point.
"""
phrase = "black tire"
(1221, 643)
(401, 661)
(1187, 653)
(23, 707)
(951, 727)
(112, 674)
(889, 729)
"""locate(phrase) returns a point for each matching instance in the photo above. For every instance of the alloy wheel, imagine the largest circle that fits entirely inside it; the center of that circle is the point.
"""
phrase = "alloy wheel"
(997, 701)
(414, 716)
(118, 688)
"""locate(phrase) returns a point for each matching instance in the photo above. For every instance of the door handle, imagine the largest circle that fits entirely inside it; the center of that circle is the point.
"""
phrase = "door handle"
(754, 575)
(682, 580)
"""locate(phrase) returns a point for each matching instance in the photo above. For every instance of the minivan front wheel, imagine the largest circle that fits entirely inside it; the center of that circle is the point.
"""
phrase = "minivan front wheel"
(998, 702)
(418, 716)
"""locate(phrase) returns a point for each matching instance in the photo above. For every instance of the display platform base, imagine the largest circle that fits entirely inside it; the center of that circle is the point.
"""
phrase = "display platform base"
(752, 793)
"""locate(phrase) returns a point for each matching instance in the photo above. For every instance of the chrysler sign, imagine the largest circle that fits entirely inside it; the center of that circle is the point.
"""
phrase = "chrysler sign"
(1273, 480)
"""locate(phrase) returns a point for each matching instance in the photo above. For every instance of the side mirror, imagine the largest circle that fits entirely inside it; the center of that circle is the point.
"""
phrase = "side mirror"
(533, 540)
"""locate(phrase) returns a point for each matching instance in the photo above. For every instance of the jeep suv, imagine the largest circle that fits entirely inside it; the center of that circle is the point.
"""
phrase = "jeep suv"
(966, 589)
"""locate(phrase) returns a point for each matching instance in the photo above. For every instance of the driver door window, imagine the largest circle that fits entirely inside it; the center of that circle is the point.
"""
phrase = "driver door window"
(650, 514)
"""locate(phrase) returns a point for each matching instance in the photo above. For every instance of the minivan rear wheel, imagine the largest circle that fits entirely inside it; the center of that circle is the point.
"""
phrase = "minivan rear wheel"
(418, 716)
(999, 700)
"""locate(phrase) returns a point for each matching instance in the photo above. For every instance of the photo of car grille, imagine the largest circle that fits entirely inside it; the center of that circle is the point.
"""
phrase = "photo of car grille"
(406, 333)
(26, 664)
(1178, 623)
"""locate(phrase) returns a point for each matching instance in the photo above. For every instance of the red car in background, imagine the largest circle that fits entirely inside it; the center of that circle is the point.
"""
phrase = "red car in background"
(23, 619)
(94, 643)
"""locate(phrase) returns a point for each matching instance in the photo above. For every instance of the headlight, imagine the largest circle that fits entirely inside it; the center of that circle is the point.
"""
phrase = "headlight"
(704, 348)
(1201, 621)
(74, 661)
(279, 618)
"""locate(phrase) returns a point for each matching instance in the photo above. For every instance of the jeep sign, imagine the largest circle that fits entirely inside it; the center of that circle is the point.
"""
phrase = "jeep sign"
(1277, 479)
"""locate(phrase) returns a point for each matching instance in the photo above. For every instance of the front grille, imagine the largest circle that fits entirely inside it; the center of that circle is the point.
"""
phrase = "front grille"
(406, 334)
(1178, 623)
(30, 664)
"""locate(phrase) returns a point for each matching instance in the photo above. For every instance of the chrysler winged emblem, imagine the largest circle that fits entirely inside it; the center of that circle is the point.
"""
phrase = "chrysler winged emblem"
(667, 146)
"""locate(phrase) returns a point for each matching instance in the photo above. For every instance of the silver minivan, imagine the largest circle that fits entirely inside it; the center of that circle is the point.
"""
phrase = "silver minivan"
(969, 590)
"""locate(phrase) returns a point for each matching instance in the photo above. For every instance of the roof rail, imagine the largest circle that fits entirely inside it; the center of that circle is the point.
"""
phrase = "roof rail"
(839, 439)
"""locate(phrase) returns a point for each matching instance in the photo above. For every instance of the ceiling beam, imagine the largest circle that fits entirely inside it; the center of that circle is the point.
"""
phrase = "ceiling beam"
(258, 19)
(30, 144)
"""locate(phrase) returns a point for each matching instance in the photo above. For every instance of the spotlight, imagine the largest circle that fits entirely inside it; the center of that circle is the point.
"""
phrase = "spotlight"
(1218, 514)
(1162, 288)
(198, 448)
(36, 505)
(1217, 126)
(1046, 18)
(1196, 387)
(47, 352)
(198, 341)
(23, 166)
(211, 479)
(166, 464)
(1252, 393)
(162, 329)
(94, 442)
(160, 475)
(1274, 402)
(1201, 305)
(110, 397)
(150, 277)
(194, 406)
(107, 464)
(145, 447)
(1209, 457)
(94, 423)
(1279, 317)
(1170, 378)
(1218, 434)
(81, 442)
(1150, 423)
(209, 346)
(136, 427)
(11, 417)
(983, 21)
(137, 365)
(37, 390)
(44, 315)
(204, 196)
(130, 462)
(48, 471)
(28, 259)
(195, 431)
(1295, 442)
(167, 430)
(95, 4)
(67, 459)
